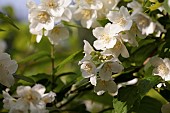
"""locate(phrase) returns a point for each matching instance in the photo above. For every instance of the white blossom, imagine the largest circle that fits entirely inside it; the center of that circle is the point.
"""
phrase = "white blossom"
(105, 37)
(119, 48)
(40, 19)
(28, 99)
(121, 18)
(55, 7)
(57, 34)
(108, 68)
(103, 86)
(135, 6)
(108, 5)
(162, 67)
(144, 23)
(7, 68)
(85, 16)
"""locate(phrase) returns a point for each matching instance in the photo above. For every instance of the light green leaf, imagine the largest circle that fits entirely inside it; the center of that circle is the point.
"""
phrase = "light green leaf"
(8, 20)
(167, 8)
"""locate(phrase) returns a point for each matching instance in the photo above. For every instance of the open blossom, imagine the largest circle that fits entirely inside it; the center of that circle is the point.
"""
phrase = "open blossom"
(119, 48)
(86, 16)
(28, 99)
(108, 5)
(57, 34)
(55, 7)
(7, 68)
(58, 8)
(105, 37)
(103, 86)
(162, 67)
(88, 68)
(108, 68)
(121, 18)
(40, 19)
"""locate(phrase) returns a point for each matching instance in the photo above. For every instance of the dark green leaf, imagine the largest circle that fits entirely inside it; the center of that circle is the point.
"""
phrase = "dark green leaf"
(8, 20)
(131, 95)
(147, 83)
(27, 79)
(2, 29)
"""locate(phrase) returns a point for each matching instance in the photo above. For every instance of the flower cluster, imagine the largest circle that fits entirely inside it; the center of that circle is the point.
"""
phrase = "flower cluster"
(161, 68)
(44, 16)
(28, 99)
(101, 62)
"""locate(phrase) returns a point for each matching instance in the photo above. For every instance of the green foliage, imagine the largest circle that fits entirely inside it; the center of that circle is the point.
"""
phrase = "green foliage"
(5, 19)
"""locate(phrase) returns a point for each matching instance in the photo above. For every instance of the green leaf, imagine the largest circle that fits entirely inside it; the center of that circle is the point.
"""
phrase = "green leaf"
(27, 79)
(140, 55)
(147, 83)
(126, 99)
(2, 29)
(66, 73)
(34, 57)
(129, 96)
(149, 105)
(40, 76)
(167, 8)
(8, 20)
(75, 56)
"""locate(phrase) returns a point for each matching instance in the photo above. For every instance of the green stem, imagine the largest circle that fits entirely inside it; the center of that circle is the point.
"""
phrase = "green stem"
(52, 67)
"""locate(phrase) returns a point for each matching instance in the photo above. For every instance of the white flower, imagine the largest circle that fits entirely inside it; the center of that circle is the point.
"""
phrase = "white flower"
(7, 68)
(103, 86)
(108, 5)
(40, 19)
(144, 23)
(93, 107)
(121, 18)
(105, 37)
(108, 68)
(119, 48)
(29, 99)
(89, 70)
(162, 67)
(57, 34)
(85, 16)
(91, 4)
(88, 49)
(8, 100)
(135, 6)
(55, 7)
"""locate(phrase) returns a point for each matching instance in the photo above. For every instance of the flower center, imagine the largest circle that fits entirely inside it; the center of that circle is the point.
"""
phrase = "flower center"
(88, 67)
(90, 1)
(142, 21)
(43, 16)
(106, 38)
(86, 14)
(121, 21)
(51, 4)
(162, 69)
